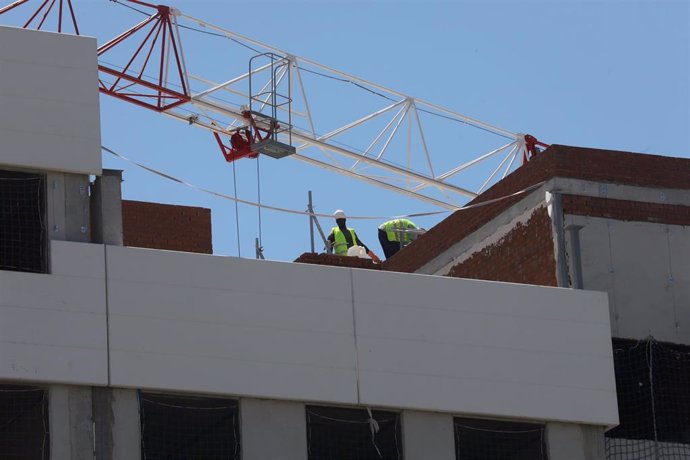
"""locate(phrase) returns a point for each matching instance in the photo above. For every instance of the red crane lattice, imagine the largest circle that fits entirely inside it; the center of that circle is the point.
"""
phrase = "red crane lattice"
(159, 53)
(46, 7)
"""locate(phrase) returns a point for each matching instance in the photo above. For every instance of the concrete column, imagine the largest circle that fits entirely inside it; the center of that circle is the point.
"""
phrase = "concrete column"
(273, 429)
(77, 208)
(126, 429)
(428, 435)
(102, 407)
(117, 426)
(71, 427)
(568, 441)
(55, 205)
(67, 207)
(106, 208)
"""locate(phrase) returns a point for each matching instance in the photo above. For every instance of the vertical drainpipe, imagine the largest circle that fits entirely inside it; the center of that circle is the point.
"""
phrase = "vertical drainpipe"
(556, 208)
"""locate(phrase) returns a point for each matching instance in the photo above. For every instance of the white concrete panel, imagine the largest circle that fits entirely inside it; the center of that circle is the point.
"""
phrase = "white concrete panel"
(53, 327)
(645, 268)
(428, 435)
(516, 351)
(273, 430)
(641, 269)
(595, 253)
(679, 243)
(49, 109)
(191, 322)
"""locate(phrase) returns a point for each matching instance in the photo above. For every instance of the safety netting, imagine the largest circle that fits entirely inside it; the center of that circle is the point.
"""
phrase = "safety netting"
(22, 227)
(653, 386)
(353, 434)
(478, 439)
(24, 423)
(188, 428)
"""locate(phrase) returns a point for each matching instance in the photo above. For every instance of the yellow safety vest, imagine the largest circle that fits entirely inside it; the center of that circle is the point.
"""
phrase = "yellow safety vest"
(340, 242)
(391, 226)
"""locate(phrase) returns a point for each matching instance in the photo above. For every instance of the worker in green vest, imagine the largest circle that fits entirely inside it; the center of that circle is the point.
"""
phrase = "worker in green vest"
(395, 234)
(341, 237)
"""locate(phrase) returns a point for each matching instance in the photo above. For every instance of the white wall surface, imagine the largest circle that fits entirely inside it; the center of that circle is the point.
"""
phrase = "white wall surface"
(53, 327)
(49, 111)
(183, 321)
(484, 348)
(190, 322)
(645, 268)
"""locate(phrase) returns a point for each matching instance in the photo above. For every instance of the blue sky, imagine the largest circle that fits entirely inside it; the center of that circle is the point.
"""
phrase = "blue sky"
(612, 75)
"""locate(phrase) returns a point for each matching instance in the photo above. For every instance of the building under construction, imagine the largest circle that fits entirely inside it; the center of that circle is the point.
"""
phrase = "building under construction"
(544, 320)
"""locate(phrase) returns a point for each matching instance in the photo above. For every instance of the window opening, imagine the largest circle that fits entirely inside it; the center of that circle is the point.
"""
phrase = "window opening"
(24, 423)
(653, 400)
(477, 439)
(22, 223)
(177, 427)
(353, 434)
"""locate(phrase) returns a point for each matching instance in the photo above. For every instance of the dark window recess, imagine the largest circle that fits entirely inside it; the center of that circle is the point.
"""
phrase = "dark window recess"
(352, 434)
(184, 427)
(22, 226)
(498, 440)
(24, 433)
(653, 387)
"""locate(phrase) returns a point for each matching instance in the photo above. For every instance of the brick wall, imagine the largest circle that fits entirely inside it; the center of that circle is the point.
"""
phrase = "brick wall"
(626, 210)
(524, 255)
(336, 261)
(556, 161)
(165, 226)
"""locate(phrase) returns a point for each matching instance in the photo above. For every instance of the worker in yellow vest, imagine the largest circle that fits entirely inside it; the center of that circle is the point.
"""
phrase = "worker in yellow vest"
(395, 234)
(341, 237)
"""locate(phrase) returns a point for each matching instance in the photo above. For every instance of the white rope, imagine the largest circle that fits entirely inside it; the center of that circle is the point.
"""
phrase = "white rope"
(374, 427)
(306, 213)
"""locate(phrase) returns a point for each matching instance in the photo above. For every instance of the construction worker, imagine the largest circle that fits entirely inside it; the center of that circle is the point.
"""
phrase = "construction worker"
(395, 234)
(341, 237)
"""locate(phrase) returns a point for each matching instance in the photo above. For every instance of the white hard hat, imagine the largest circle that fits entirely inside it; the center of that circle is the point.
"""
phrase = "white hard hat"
(339, 214)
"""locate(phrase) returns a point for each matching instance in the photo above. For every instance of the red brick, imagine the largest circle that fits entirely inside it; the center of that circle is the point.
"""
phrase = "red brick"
(557, 161)
(337, 261)
(165, 226)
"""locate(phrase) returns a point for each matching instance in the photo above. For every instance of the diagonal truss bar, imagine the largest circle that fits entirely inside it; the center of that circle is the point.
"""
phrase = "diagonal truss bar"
(154, 93)
(46, 7)
(423, 139)
(462, 167)
(463, 118)
(498, 168)
(306, 137)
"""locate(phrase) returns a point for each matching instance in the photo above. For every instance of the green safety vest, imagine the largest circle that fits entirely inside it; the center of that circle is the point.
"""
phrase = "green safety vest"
(391, 226)
(340, 243)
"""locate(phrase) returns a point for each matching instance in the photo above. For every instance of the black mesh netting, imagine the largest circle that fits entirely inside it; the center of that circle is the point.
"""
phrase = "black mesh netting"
(24, 433)
(181, 427)
(22, 230)
(498, 440)
(335, 433)
(653, 386)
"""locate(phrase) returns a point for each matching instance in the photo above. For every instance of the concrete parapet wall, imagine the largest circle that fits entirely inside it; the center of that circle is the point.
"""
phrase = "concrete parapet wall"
(221, 325)
(49, 109)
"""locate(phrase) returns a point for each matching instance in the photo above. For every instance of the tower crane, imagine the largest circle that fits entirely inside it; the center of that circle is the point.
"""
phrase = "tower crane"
(269, 108)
